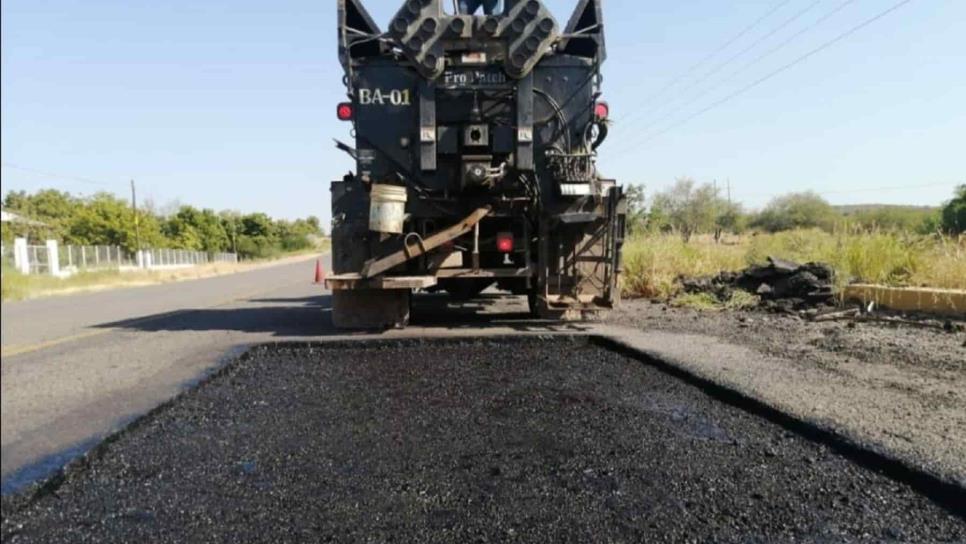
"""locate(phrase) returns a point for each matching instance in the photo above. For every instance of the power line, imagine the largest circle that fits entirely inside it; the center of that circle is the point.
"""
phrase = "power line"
(727, 62)
(634, 138)
(790, 39)
(59, 176)
(847, 191)
(680, 77)
(779, 70)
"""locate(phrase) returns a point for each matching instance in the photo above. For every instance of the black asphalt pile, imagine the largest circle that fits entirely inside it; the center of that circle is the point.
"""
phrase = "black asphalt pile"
(534, 440)
(781, 284)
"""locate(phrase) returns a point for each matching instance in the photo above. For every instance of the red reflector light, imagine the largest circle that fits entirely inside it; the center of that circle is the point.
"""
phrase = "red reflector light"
(504, 242)
(601, 110)
(344, 111)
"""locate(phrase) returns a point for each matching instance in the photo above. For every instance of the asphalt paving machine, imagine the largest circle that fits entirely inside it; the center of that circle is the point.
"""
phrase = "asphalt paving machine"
(476, 138)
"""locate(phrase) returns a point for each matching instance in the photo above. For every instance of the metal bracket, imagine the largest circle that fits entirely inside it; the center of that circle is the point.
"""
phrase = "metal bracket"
(427, 125)
(374, 267)
(524, 154)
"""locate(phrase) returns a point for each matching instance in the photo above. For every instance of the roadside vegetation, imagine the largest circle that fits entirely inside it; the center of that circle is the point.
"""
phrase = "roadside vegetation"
(104, 219)
(690, 231)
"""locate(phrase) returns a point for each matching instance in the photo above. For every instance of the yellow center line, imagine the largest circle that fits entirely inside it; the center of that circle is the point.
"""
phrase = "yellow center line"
(11, 351)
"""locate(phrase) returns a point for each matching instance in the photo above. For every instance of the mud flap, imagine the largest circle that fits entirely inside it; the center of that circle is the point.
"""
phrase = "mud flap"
(370, 308)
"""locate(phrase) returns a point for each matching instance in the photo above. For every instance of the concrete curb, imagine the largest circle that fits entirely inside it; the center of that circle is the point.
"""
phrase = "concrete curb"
(951, 302)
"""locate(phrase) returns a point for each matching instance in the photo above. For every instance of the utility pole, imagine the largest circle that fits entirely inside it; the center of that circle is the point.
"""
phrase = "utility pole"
(715, 228)
(716, 197)
(137, 221)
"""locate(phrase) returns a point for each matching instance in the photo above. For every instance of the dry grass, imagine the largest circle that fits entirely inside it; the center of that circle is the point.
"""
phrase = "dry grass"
(653, 264)
(738, 300)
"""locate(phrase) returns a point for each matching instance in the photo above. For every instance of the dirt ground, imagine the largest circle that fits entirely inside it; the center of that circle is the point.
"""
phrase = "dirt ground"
(899, 387)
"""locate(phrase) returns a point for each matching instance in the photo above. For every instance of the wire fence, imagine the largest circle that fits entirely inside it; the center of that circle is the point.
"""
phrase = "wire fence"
(183, 257)
(39, 260)
(58, 260)
(94, 257)
(6, 255)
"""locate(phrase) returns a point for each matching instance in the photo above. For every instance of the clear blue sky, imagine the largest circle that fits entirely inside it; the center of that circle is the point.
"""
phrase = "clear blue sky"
(231, 104)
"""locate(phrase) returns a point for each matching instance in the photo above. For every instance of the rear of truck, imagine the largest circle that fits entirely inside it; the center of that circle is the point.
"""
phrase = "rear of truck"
(475, 147)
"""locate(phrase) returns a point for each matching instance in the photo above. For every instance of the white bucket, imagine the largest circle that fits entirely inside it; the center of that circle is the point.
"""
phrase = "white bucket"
(387, 208)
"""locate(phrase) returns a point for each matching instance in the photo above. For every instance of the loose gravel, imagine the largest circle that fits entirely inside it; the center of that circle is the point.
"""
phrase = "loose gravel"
(902, 388)
(530, 439)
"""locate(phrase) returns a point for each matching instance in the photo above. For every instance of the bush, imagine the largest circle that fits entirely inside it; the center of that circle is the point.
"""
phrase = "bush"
(690, 209)
(894, 219)
(295, 242)
(954, 213)
(256, 247)
(797, 211)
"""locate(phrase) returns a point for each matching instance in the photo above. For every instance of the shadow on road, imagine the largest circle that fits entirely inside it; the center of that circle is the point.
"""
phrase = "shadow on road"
(311, 316)
(302, 316)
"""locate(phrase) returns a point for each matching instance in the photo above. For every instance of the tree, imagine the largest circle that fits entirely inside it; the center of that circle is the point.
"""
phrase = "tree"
(636, 210)
(954, 212)
(689, 209)
(107, 220)
(55, 209)
(797, 210)
(214, 237)
(199, 230)
(729, 218)
(257, 236)
(179, 229)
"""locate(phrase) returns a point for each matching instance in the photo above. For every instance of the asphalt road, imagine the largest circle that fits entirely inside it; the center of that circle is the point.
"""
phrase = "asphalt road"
(77, 367)
(535, 440)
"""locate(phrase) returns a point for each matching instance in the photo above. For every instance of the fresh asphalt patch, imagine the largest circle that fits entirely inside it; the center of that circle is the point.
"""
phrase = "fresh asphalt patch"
(552, 439)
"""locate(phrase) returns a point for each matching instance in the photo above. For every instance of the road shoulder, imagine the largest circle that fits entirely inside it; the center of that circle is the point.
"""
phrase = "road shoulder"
(905, 399)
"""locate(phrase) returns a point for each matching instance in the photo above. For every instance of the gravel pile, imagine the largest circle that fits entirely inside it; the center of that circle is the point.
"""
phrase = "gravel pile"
(537, 440)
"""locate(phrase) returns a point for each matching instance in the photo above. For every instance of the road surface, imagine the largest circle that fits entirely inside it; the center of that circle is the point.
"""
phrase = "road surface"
(76, 367)
(488, 440)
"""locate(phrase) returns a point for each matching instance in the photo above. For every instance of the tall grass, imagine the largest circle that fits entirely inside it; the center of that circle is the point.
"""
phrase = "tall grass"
(654, 263)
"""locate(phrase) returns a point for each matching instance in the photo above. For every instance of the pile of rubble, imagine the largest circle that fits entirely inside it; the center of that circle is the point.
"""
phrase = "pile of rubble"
(782, 285)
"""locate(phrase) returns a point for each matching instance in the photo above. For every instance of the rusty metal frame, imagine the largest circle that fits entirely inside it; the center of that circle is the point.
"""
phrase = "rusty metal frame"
(374, 267)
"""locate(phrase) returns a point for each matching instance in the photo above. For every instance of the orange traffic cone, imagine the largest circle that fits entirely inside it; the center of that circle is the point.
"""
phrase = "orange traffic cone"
(319, 273)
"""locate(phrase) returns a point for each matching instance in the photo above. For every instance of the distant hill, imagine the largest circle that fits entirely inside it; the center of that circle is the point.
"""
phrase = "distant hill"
(850, 209)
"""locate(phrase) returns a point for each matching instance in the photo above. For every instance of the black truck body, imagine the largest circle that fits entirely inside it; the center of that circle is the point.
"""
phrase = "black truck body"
(475, 148)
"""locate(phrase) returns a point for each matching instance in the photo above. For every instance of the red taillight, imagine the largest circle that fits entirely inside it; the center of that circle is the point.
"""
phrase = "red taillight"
(601, 110)
(344, 111)
(504, 242)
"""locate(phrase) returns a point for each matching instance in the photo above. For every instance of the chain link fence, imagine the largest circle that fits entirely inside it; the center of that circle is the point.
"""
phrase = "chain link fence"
(6, 255)
(93, 257)
(182, 257)
(39, 259)
(58, 260)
